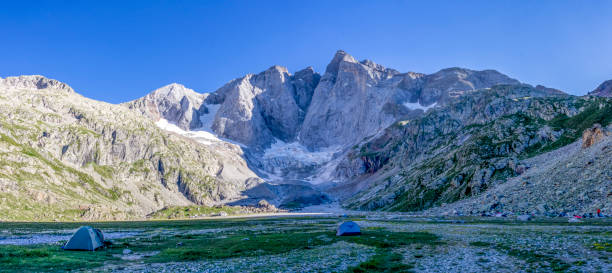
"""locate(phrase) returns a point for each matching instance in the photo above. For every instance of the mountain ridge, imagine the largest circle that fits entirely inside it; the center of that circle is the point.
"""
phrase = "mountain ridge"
(362, 134)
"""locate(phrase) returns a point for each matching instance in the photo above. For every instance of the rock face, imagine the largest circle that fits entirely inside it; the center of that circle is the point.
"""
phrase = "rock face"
(358, 99)
(256, 109)
(34, 82)
(350, 101)
(593, 135)
(175, 103)
(603, 90)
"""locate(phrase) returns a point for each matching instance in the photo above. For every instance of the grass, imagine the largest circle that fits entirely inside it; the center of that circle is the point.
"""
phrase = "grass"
(50, 258)
(382, 262)
(164, 241)
(606, 246)
(535, 259)
(194, 247)
(480, 244)
(228, 238)
(182, 212)
(102, 170)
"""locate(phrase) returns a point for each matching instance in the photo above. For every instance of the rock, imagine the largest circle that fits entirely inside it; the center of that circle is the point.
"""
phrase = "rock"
(573, 220)
(603, 90)
(266, 206)
(593, 135)
(34, 82)
(358, 99)
(256, 109)
(127, 251)
(223, 214)
(175, 103)
(524, 217)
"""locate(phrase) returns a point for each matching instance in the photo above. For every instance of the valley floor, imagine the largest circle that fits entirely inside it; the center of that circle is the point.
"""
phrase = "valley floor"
(389, 243)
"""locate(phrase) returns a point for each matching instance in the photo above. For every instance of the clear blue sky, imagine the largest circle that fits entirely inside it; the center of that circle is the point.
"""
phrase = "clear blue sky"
(120, 50)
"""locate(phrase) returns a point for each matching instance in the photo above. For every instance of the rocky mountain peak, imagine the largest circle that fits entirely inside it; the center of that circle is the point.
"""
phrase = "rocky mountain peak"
(175, 91)
(340, 57)
(34, 82)
(173, 102)
(603, 90)
(278, 69)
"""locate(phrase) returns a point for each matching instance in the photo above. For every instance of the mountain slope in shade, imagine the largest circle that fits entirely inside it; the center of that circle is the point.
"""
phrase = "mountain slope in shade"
(603, 90)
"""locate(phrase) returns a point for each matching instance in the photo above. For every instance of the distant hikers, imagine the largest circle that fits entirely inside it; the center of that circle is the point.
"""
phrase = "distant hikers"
(599, 213)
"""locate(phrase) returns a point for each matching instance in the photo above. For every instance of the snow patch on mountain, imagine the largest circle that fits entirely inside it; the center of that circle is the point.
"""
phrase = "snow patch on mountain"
(299, 152)
(294, 161)
(418, 106)
(208, 119)
(200, 136)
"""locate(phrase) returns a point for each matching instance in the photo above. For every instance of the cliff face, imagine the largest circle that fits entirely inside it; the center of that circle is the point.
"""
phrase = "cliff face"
(359, 99)
(174, 102)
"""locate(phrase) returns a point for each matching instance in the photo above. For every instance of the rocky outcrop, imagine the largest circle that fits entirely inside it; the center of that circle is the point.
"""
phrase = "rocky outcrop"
(551, 91)
(174, 102)
(603, 90)
(30, 82)
(593, 135)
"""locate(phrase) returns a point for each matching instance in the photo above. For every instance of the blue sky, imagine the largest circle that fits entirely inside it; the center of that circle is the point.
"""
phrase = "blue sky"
(120, 50)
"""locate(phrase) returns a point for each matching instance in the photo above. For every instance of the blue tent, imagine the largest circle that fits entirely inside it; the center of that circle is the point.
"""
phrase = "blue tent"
(348, 228)
(85, 238)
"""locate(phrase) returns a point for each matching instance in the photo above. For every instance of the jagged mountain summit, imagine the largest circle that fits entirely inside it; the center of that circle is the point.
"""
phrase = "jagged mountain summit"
(358, 99)
(368, 136)
(174, 102)
(296, 126)
(34, 82)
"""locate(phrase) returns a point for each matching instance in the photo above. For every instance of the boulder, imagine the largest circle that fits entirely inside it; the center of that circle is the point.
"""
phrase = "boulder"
(593, 135)
(525, 217)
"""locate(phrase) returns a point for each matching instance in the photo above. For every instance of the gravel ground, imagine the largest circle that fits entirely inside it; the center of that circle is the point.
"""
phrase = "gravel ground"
(336, 257)
(459, 258)
(570, 244)
(48, 238)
